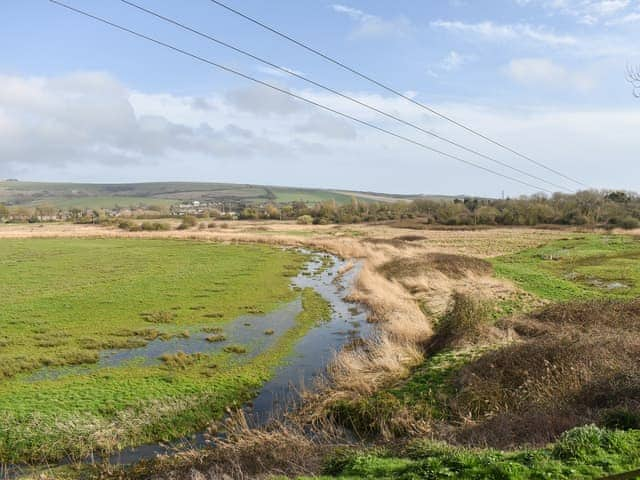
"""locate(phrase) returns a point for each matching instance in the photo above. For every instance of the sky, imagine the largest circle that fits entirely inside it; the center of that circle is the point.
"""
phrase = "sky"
(83, 102)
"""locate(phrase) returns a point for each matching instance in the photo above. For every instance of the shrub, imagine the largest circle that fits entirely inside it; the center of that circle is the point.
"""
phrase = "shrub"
(305, 220)
(155, 226)
(188, 221)
(629, 223)
(126, 225)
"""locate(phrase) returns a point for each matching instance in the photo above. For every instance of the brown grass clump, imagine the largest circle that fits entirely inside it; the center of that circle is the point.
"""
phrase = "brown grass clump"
(577, 362)
(453, 266)
(466, 322)
(158, 317)
(216, 337)
(410, 238)
(594, 313)
(245, 453)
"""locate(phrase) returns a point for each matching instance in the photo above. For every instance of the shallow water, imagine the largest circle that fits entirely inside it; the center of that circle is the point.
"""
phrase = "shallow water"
(310, 358)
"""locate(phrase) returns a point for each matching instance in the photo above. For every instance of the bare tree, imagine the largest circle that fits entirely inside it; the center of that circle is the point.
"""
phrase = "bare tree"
(633, 77)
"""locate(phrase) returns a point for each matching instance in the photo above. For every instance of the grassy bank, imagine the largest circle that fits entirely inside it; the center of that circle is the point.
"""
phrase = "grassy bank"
(65, 300)
(582, 453)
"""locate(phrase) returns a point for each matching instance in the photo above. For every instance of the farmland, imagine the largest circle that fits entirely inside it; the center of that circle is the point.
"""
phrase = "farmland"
(163, 194)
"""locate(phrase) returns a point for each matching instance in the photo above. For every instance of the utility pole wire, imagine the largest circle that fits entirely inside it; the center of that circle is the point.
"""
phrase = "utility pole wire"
(340, 94)
(294, 95)
(394, 91)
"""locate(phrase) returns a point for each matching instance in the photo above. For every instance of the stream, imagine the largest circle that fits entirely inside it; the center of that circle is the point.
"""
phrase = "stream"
(309, 360)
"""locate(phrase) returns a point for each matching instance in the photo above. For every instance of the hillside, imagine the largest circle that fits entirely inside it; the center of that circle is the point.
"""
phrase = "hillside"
(88, 195)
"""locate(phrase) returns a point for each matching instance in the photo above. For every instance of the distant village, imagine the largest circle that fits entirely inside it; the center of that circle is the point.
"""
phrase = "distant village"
(50, 213)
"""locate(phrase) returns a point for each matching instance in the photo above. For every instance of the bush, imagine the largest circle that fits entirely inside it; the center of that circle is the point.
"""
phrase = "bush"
(305, 220)
(126, 225)
(155, 226)
(188, 221)
(629, 223)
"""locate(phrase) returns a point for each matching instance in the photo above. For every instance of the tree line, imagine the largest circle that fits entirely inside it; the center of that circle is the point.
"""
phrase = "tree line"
(587, 208)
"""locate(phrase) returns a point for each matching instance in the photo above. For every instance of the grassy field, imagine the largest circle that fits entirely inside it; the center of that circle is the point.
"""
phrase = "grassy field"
(582, 267)
(86, 195)
(106, 202)
(64, 300)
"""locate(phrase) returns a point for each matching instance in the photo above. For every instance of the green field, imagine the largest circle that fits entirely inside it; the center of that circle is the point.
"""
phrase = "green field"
(105, 202)
(288, 195)
(590, 266)
(90, 195)
(64, 300)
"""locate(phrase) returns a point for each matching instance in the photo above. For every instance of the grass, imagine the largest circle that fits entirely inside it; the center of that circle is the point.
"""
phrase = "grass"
(575, 364)
(582, 453)
(105, 202)
(87, 195)
(591, 266)
(288, 195)
(64, 300)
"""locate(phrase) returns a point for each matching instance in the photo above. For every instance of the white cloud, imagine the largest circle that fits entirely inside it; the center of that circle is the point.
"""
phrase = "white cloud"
(90, 127)
(451, 62)
(587, 12)
(496, 32)
(543, 71)
(370, 26)
(91, 118)
(629, 18)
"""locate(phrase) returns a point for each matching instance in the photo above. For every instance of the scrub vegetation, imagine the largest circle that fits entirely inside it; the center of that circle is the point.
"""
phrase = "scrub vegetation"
(553, 390)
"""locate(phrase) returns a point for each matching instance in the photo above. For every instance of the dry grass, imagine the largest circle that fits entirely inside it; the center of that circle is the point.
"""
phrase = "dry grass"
(246, 453)
(452, 266)
(575, 363)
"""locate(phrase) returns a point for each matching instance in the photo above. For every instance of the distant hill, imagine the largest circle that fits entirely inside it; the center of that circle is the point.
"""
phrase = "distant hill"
(89, 195)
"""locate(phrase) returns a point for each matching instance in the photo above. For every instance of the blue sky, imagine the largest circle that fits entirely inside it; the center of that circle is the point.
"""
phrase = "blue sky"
(82, 102)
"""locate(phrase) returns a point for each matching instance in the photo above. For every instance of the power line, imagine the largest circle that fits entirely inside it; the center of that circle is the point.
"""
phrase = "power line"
(294, 95)
(336, 92)
(392, 90)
